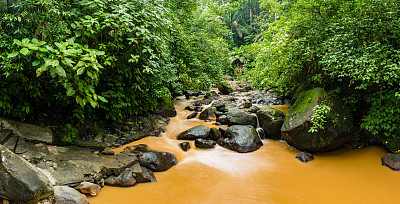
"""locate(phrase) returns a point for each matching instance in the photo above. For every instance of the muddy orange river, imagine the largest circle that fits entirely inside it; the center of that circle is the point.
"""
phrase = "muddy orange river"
(268, 175)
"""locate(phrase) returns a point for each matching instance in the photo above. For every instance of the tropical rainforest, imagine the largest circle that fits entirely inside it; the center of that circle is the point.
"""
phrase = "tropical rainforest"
(67, 61)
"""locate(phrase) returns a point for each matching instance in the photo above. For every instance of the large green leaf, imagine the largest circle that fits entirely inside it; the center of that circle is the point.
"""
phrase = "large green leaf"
(24, 51)
(60, 71)
(11, 55)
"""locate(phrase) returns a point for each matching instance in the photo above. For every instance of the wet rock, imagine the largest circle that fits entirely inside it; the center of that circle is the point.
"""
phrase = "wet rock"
(68, 195)
(247, 104)
(241, 138)
(207, 113)
(20, 181)
(392, 161)
(192, 115)
(261, 133)
(219, 105)
(28, 131)
(142, 174)
(225, 89)
(88, 188)
(215, 134)
(200, 131)
(253, 109)
(122, 161)
(223, 129)
(185, 146)
(337, 130)
(271, 121)
(189, 108)
(203, 143)
(158, 161)
(223, 119)
(125, 179)
(240, 117)
(135, 149)
(305, 157)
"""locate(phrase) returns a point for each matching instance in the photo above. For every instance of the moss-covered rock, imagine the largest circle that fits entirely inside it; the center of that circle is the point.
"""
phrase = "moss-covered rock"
(271, 121)
(336, 130)
(165, 108)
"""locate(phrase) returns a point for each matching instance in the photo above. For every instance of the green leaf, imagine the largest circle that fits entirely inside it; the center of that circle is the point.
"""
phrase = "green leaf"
(25, 41)
(60, 71)
(24, 51)
(35, 63)
(81, 70)
(12, 54)
(70, 92)
(80, 64)
(17, 42)
(101, 98)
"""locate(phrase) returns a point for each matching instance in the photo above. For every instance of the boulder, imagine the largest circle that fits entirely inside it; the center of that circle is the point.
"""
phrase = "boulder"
(224, 88)
(240, 117)
(392, 161)
(165, 108)
(122, 161)
(215, 134)
(88, 188)
(223, 119)
(203, 143)
(158, 161)
(20, 181)
(207, 113)
(200, 131)
(247, 104)
(68, 195)
(28, 131)
(241, 138)
(125, 179)
(254, 109)
(142, 174)
(192, 115)
(305, 157)
(271, 121)
(185, 146)
(337, 130)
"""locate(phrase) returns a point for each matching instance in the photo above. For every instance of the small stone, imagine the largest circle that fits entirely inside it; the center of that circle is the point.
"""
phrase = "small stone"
(88, 188)
(185, 146)
(305, 157)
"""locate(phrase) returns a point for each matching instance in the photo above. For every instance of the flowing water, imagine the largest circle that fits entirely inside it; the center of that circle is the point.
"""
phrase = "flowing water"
(268, 175)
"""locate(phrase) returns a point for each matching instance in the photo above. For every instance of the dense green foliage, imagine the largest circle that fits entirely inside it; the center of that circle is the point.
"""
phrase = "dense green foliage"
(92, 59)
(348, 47)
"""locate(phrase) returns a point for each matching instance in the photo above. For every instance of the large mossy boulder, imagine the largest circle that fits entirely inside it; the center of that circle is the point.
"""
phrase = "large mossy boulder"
(165, 108)
(236, 116)
(20, 181)
(199, 131)
(241, 138)
(271, 121)
(336, 131)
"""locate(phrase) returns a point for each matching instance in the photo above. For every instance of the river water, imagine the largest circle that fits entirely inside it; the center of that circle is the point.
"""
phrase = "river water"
(268, 175)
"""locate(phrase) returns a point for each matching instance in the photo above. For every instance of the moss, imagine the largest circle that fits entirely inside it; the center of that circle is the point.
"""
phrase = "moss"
(276, 114)
(304, 101)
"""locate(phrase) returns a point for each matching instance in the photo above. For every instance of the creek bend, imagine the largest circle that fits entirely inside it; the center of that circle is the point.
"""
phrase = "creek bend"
(271, 174)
